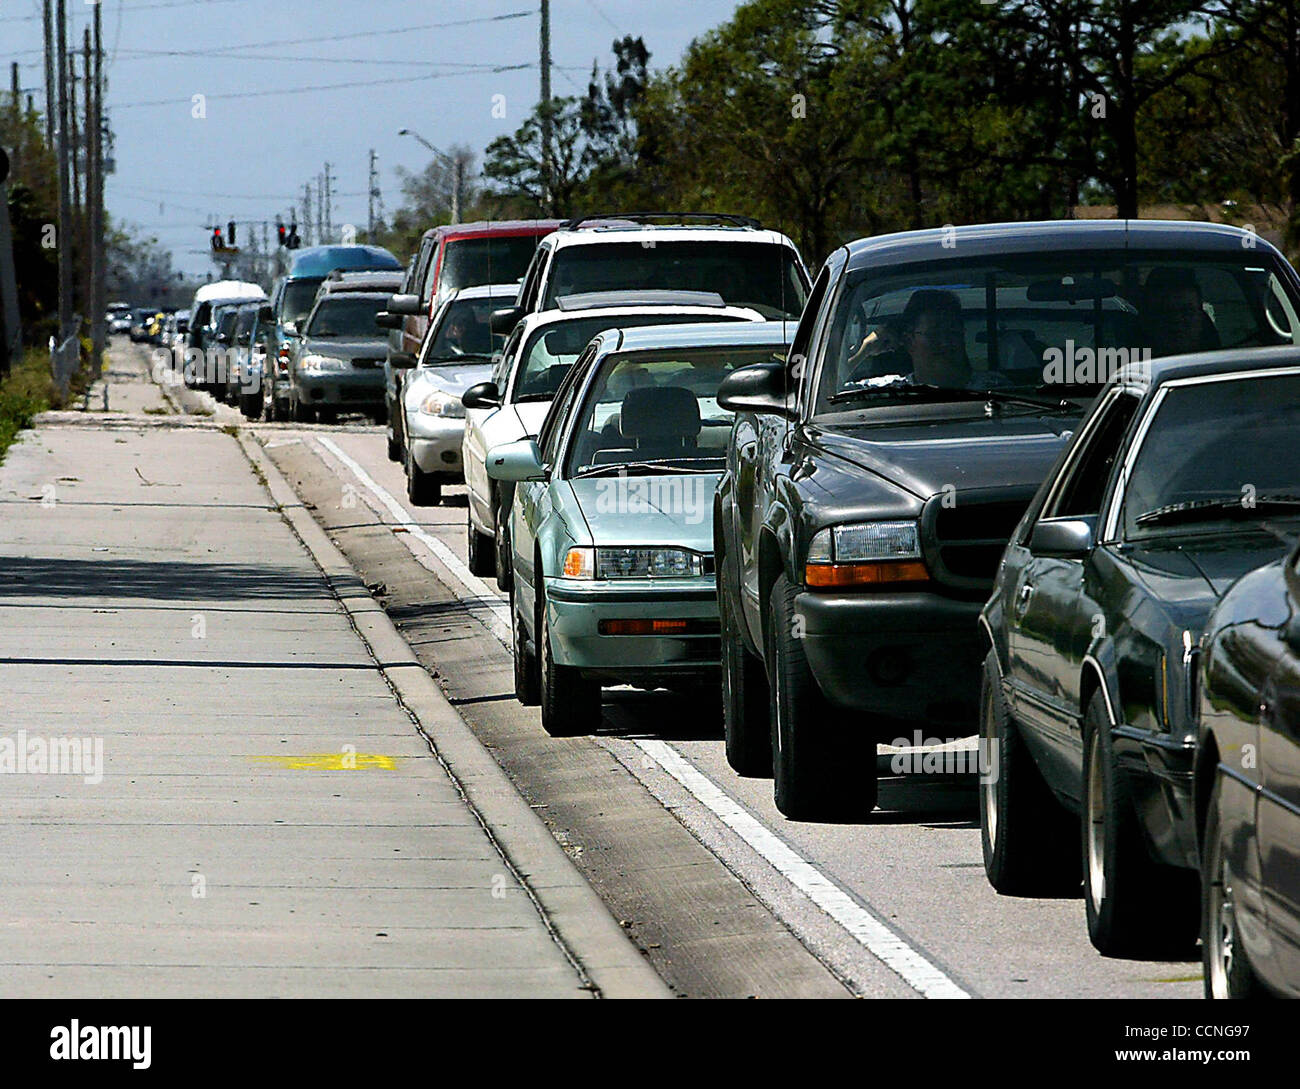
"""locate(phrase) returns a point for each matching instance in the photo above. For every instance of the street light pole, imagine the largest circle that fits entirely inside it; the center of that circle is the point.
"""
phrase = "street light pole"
(457, 166)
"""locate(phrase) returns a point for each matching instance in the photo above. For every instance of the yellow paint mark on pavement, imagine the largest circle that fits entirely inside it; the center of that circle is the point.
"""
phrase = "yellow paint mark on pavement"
(334, 761)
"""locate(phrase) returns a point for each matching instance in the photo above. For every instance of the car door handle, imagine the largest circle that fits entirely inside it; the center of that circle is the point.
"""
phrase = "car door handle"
(1023, 595)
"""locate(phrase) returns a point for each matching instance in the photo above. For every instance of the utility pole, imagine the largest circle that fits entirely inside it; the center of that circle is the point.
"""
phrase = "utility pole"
(13, 83)
(65, 187)
(49, 74)
(98, 250)
(320, 210)
(546, 106)
(74, 143)
(87, 121)
(329, 215)
(372, 191)
(306, 215)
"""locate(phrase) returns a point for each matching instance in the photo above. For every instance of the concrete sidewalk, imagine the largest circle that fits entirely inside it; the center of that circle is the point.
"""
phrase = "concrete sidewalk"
(269, 821)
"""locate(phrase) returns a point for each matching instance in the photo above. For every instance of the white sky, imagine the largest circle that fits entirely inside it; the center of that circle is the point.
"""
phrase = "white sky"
(251, 156)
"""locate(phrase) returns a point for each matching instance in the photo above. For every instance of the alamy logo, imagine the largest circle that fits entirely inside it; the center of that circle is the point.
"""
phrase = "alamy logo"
(112, 1042)
(1082, 365)
(922, 755)
(23, 755)
(690, 497)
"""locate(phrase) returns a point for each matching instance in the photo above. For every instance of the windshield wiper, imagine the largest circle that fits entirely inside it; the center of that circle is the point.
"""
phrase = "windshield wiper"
(1212, 510)
(477, 357)
(930, 392)
(656, 465)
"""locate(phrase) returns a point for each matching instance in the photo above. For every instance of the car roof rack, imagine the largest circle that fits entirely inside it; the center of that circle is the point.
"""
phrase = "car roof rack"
(611, 219)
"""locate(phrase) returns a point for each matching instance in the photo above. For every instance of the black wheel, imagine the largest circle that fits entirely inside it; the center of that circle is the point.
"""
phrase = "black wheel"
(1031, 842)
(328, 415)
(301, 413)
(380, 415)
(527, 682)
(744, 692)
(570, 702)
(394, 447)
(482, 556)
(1136, 907)
(1228, 973)
(250, 405)
(279, 411)
(822, 768)
(505, 563)
(423, 489)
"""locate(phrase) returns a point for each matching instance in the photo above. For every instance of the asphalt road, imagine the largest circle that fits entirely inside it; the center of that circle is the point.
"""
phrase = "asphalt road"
(725, 895)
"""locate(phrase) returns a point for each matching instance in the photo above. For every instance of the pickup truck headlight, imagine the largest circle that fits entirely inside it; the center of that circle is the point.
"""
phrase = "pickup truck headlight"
(878, 554)
(441, 404)
(323, 364)
(632, 563)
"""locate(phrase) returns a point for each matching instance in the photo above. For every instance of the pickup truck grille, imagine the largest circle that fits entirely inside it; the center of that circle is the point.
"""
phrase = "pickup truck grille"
(964, 540)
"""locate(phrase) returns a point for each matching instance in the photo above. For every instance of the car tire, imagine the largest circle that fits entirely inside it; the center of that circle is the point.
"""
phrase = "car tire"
(482, 555)
(1228, 973)
(394, 447)
(527, 682)
(745, 698)
(505, 563)
(250, 406)
(422, 489)
(328, 415)
(1030, 840)
(301, 413)
(570, 701)
(820, 769)
(1136, 907)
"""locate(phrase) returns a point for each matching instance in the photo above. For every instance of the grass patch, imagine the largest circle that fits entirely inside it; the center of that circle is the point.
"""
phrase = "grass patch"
(28, 390)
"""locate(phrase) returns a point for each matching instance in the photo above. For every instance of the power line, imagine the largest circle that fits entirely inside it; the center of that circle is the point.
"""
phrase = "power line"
(311, 89)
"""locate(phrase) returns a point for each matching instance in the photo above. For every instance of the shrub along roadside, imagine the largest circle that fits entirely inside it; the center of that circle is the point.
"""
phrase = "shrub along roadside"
(27, 391)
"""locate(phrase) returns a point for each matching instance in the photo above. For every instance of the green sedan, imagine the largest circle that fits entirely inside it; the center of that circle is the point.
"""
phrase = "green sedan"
(612, 521)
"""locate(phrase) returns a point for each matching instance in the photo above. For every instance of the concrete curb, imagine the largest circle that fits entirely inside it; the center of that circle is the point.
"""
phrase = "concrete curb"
(578, 919)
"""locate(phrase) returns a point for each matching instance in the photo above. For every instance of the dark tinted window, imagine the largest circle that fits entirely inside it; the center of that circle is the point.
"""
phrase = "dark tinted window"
(1222, 449)
(1082, 491)
(1056, 320)
(346, 316)
(299, 295)
(762, 275)
(472, 262)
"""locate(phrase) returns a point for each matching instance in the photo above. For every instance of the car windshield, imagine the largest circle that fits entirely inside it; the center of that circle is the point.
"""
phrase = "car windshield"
(299, 295)
(1059, 323)
(346, 316)
(1216, 451)
(462, 329)
(472, 262)
(658, 408)
(765, 276)
(551, 350)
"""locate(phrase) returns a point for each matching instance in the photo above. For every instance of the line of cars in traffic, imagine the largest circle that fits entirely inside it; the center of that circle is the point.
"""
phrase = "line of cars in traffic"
(996, 475)
(1025, 481)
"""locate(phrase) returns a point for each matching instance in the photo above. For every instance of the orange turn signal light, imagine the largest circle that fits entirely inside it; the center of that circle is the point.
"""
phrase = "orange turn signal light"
(830, 576)
(643, 627)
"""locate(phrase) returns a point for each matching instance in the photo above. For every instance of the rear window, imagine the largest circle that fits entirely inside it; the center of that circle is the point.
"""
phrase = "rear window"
(762, 275)
(472, 262)
(1050, 323)
(553, 349)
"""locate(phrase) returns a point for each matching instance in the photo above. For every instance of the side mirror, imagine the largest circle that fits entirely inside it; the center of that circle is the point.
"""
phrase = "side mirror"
(503, 321)
(404, 304)
(290, 327)
(484, 395)
(760, 388)
(516, 461)
(401, 361)
(1063, 537)
(387, 320)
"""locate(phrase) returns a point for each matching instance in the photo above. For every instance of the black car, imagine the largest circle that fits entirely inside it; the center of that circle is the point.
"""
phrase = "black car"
(1184, 476)
(1248, 784)
(874, 479)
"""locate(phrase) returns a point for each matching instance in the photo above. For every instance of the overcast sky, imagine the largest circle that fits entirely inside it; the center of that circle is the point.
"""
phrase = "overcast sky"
(258, 145)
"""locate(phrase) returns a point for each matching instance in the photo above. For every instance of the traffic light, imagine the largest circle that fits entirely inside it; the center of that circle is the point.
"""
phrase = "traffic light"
(231, 229)
(293, 241)
(281, 233)
(217, 243)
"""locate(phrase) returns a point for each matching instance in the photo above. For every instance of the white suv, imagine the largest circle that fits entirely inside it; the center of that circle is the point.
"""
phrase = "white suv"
(731, 256)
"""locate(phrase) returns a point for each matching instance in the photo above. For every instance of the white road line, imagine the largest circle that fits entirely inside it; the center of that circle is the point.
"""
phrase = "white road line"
(493, 614)
(878, 939)
(916, 971)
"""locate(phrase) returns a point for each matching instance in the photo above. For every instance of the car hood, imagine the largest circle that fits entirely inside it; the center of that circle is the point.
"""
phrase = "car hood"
(346, 347)
(672, 509)
(923, 458)
(1188, 578)
(453, 378)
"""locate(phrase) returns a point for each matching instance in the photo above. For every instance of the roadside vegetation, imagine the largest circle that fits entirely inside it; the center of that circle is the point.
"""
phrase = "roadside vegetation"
(27, 391)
